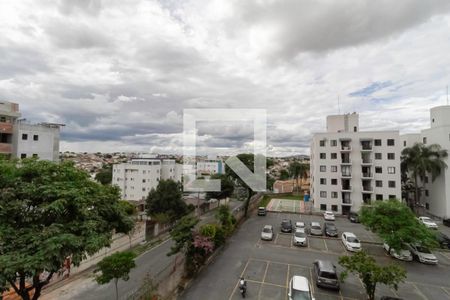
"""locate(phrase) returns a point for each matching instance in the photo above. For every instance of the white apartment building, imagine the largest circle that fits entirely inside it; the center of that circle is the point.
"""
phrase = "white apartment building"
(210, 167)
(137, 177)
(22, 139)
(350, 168)
(436, 194)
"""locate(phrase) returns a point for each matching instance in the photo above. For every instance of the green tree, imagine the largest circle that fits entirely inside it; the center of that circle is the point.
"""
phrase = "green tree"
(298, 171)
(182, 234)
(249, 161)
(396, 224)
(127, 207)
(167, 199)
(284, 174)
(49, 211)
(114, 267)
(420, 160)
(225, 218)
(104, 176)
(371, 273)
(226, 188)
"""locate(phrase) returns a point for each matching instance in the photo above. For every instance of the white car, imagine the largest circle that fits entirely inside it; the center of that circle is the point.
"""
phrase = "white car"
(428, 222)
(300, 225)
(300, 237)
(267, 233)
(299, 289)
(351, 242)
(402, 254)
(423, 254)
(329, 216)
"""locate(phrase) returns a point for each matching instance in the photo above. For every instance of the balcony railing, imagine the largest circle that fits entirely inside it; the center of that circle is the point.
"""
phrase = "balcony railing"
(346, 174)
(367, 175)
(347, 188)
(367, 188)
(366, 147)
(347, 201)
(346, 161)
(366, 161)
(346, 148)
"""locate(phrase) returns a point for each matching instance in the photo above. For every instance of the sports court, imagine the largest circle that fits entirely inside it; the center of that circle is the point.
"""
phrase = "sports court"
(287, 205)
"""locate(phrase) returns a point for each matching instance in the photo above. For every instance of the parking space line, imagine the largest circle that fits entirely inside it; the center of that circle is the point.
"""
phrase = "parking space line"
(287, 281)
(277, 262)
(326, 247)
(264, 279)
(419, 292)
(266, 283)
(446, 291)
(276, 238)
(237, 283)
(311, 278)
(427, 284)
(394, 292)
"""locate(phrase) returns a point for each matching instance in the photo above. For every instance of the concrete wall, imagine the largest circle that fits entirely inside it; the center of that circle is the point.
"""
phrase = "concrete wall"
(46, 147)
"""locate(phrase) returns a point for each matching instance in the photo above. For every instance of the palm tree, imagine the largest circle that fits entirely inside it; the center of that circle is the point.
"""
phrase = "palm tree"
(420, 160)
(297, 170)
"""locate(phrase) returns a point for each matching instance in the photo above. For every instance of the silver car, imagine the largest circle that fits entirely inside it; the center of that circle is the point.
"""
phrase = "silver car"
(267, 233)
(300, 238)
(315, 229)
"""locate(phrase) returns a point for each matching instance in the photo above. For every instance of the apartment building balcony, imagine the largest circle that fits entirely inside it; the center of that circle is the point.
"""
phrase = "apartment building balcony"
(367, 199)
(346, 148)
(366, 146)
(346, 188)
(346, 161)
(366, 162)
(346, 175)
(5, 148)
(367, 188)
(367, 175)
(347, 201)
(6, 127)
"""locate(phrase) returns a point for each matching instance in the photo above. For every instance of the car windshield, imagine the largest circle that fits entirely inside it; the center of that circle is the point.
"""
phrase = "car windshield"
(315, 226)
(352, 239)
(300, 295)
(331, 227)
(300, 234)
(286, 223)
(423, 250)
(328, 275)
(267, 230)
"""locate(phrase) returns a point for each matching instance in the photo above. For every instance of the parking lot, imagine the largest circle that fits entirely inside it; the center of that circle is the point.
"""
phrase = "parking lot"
(269, 265)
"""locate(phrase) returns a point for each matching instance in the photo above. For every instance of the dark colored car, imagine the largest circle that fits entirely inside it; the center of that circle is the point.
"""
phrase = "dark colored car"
(446, 222)
(325, 274)
(443, 240)
(330, 230)
(353, 217)
(286, 225)
(262, 211)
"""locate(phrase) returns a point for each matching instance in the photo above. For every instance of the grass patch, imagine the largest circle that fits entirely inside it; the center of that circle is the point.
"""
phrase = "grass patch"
(290, 197)
(264, 201)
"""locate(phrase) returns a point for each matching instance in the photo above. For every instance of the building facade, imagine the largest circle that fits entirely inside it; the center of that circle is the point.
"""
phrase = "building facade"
(21, 139)
(350, 168)
(139, 176)
(436, 194)
(210, 167)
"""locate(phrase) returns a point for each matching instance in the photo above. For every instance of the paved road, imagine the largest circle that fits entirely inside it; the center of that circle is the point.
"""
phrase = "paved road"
(268, 266)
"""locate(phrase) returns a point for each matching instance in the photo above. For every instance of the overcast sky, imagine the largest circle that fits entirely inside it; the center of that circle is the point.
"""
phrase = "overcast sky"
(119, 73)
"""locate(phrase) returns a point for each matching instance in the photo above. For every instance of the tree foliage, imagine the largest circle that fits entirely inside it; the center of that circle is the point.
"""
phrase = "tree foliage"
(48, 212)
(225, 218)
(396, 224)
(371, 273)
(226, 187)
(167, 199)
(182, 234)
(114, 267)
(104, 176)
(420, 160)
(297, 171)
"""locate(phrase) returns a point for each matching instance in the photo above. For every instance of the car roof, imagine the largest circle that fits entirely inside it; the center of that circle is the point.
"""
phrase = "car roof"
(300, 230)
(267, 226)
(315, 223)
(349, 234)
(328, 212)
(330, 224)
(325, 265)
(300, 283)
(299, 222)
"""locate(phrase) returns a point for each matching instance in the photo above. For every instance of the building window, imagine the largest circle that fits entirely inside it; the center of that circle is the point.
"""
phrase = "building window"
(425, 179)
(323, 194)
(404, 143)
(144, 172)
(143, 180)
(379, 197)
(391, 156)
(427, 193)
(23, 155)
(323, 207)
(391, 170)
(378, 170)
(323, 181)
(334, 207)
(333, 143)
(334, 194)
(378, 156)
(392, 197)
(424, 140)
(24, 136)
(427, 205)
(322, 143)
(323, 155)
(3, 119)
(143, 189)
(377, 142)
(35, 137)
(391, 142)
(333, 155)
(333, 168)
(334, 181)
(379, 183)
(355, 129)
(323, 168)
(35, 155)
(391, 184)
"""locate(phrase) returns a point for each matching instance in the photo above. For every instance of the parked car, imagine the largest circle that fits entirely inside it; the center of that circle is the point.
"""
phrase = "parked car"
(330, 230)
(353, 217)
(300, 237)
(443, 240)
(267, 233)
(351, 242)
(262, 211)
(402, 254)
(299, 289)
(325, 274)
(315, 229)
(329, 216)
(428, 222)
(446, 222)
(300, 225)
(286, 225)
(422, 254)
(390, 298)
